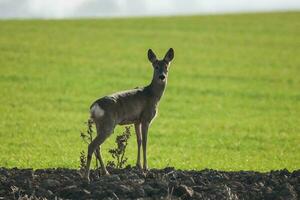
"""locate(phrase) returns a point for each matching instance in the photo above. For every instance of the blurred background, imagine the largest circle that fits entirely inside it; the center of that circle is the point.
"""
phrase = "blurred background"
(124, 8)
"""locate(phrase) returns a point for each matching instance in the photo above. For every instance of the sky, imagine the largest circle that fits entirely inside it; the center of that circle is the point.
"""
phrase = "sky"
(57, 9)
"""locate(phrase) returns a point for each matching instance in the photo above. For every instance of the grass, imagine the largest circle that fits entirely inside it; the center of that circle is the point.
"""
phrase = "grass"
(232, 100)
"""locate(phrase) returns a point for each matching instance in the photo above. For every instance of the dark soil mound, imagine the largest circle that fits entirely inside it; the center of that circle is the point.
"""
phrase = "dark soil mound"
(165, 183)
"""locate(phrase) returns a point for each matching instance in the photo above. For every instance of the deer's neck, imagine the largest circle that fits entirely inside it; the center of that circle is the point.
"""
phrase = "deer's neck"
(157, 89)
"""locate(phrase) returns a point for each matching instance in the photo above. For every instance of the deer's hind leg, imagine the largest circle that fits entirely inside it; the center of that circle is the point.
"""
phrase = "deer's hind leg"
(98, 148)
(99, 157)
(103, 131)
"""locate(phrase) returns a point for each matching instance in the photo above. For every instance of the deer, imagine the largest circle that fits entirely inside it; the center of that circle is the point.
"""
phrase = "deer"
(136, 106)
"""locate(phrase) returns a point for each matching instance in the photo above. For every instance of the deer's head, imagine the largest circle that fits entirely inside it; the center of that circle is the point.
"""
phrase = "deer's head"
(161, 67)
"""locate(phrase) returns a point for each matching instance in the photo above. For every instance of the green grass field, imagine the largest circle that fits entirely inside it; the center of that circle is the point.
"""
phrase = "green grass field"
(232, 100)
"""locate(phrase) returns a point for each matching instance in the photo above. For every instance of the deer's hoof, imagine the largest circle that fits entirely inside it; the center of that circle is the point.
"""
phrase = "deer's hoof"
(87, 180)
(138, 166)
(86, 177)
(105, 173)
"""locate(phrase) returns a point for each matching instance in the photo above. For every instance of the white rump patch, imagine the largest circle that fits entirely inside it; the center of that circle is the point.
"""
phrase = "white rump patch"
(97, 111)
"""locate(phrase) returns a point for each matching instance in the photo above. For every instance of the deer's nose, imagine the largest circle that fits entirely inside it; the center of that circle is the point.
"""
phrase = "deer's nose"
(162, 77)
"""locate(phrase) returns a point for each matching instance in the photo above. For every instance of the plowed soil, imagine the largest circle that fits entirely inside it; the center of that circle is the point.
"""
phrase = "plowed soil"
(131, 183)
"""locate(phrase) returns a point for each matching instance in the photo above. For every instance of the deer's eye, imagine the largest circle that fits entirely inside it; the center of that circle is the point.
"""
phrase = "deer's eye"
(156, 67)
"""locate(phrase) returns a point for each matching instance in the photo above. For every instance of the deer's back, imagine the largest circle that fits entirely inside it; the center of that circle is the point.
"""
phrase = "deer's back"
(124, 107)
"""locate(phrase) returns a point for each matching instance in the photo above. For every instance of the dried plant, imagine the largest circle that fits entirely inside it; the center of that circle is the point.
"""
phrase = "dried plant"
(118, 153)
(87, 137)
(82, 161)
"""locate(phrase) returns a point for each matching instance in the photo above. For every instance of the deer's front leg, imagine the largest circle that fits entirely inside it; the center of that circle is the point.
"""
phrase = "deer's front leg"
(137, 127)
(145, 126)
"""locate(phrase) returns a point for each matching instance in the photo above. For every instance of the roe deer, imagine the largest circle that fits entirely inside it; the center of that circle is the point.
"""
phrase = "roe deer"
(136, 106)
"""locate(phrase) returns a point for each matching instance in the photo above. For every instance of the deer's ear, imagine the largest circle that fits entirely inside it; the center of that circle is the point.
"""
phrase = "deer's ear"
(151, 56)
(169, 55)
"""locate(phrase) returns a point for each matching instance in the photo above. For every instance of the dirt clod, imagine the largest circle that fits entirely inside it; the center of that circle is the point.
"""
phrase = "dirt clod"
(132, 183)
(50, 183)
(184, 191)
